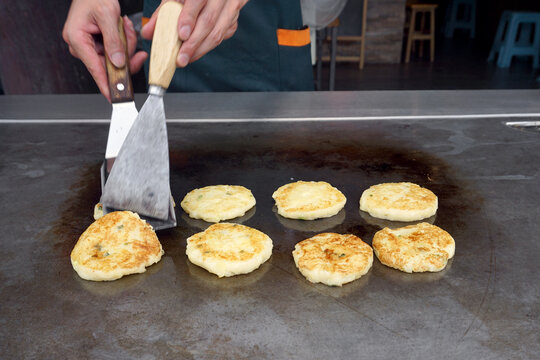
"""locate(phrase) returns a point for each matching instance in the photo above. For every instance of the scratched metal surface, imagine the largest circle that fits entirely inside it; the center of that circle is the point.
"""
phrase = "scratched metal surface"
(485, 305)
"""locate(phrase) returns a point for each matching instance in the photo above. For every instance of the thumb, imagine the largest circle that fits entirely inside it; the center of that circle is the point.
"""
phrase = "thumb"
(147, 31)
(108, 24)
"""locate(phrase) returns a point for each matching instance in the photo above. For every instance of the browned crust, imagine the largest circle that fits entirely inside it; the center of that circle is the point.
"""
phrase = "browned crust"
(334, 253)
(96, 246)
(427, 241)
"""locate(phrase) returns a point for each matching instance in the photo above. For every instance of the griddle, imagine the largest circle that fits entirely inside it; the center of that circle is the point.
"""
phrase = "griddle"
(484, 305)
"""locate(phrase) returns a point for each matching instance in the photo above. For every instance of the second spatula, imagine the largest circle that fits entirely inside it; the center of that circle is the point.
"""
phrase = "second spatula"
(139, 180)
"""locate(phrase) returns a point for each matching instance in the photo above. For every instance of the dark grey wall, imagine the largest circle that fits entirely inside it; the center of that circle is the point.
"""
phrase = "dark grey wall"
(351, 18)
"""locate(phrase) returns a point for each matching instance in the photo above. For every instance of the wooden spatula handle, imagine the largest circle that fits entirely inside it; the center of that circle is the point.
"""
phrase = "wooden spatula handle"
(165, 45)
(120, 83)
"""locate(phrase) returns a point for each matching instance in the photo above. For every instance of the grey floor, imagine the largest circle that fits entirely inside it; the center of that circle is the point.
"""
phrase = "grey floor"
(460, 63)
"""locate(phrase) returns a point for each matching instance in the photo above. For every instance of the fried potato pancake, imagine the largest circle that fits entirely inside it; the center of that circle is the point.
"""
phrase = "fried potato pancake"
(308, 200)
(402, 201)
(218, 202)
(333, 259)
(228, 249)
(117, 244)
(414, 248)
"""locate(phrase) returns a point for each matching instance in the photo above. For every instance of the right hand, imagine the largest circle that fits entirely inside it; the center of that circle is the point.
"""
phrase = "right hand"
(202, 26)
(86, 21)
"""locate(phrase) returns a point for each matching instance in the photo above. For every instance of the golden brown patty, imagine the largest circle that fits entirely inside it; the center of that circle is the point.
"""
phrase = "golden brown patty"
(333, 259)
(308, 200)
(402, 201)
(228, 249)
(218, 202)
(117, 244)
(414, 248)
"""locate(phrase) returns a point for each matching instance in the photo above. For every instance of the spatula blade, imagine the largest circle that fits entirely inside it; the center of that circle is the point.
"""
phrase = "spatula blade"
(157, 224)
(123, 116)
(139, 178)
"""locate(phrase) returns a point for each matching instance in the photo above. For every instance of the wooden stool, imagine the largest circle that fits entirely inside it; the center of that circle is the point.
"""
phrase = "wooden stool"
(424, 32)
(357, 39)
(321, 35)
(333, 39)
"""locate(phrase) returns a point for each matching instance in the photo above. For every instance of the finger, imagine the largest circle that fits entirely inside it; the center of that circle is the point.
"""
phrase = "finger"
(147, 31)
(188, 17)
(131, 36)
(137, 61)
(206, 24)
(106, 18)
(98, 46)
(232, 29)
(217, 35)
(94, 63)
(72, 51)
(230, 32)
(211, 42)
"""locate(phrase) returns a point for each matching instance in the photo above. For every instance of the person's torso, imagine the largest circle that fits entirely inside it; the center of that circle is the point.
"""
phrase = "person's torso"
(257, 58)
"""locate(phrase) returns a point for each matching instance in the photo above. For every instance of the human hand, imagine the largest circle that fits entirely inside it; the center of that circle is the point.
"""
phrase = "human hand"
(91, 29)
(202, 25)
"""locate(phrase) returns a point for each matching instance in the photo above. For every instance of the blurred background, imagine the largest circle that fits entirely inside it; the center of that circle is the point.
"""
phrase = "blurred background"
(369, 45)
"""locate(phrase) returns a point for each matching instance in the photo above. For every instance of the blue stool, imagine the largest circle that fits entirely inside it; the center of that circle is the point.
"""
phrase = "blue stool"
(465, 19)
(518, 34)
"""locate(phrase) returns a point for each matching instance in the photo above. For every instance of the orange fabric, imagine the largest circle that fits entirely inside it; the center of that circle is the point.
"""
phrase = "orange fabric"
(293, 37)
(145, 21)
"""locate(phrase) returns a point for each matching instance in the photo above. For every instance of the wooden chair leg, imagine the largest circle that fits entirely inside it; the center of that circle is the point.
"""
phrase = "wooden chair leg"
(432, 39)
(333, 59)
(320, 35)
(362, 50)
(409, 37)
(363, 41)
(423, 16)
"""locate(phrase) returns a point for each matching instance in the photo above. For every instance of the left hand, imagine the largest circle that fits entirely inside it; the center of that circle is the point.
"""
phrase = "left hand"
(202, 25)
(89, 20)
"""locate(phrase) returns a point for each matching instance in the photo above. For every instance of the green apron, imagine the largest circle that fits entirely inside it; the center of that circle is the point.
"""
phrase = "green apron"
(251, 60)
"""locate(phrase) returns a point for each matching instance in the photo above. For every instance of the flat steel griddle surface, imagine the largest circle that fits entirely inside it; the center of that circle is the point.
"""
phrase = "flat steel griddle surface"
(484, 305)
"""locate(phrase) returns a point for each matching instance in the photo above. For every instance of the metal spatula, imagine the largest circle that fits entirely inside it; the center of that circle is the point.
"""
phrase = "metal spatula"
(124, 111)
(139, 178)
